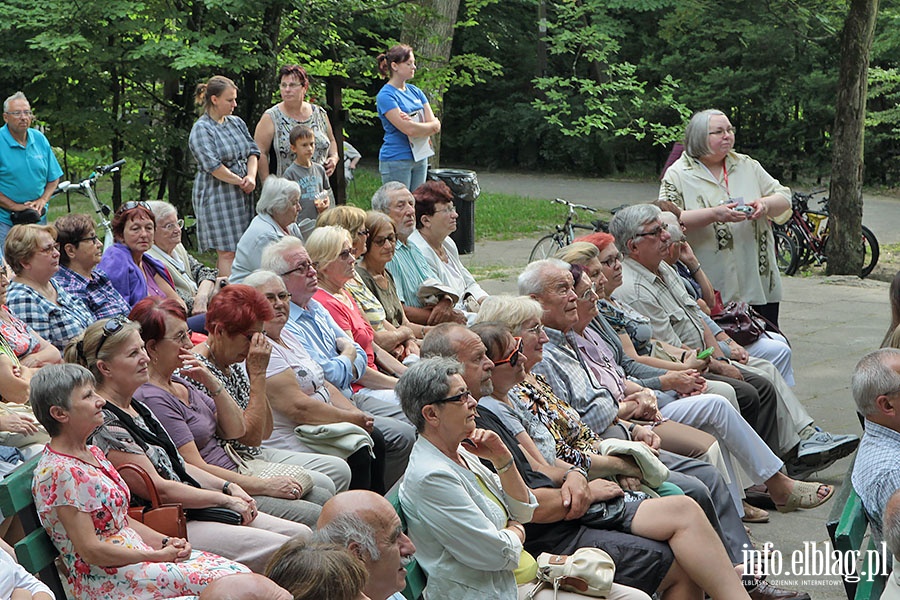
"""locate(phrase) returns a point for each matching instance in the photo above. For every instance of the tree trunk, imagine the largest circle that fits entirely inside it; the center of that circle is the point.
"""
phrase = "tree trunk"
(430, 33)
(845, 250)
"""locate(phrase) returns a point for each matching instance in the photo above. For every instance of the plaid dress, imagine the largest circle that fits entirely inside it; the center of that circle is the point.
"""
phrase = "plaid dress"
(56, 323)
(223, 211)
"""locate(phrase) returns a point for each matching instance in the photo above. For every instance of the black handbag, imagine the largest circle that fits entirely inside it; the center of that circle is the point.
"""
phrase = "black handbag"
(216, 514)
(24, 217)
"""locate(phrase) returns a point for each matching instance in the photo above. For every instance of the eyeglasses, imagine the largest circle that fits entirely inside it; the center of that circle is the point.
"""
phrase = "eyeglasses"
(283, 297)
(182, 338)
(512, 359)
(290, 85)
(303, 267)
(459, 398)
(133, 204)
(179, 224)
(722, 132)
(381, 241)
(612, 260)
(345, 254)
(591, 291)
(362, 232)
(93, 239)
(50, 249)
(449, 209)
(655, 232)
(536, 330)
(111, 327)
(20, 113)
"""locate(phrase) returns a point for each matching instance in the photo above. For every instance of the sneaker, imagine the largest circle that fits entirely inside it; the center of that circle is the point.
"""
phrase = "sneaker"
(825, 447)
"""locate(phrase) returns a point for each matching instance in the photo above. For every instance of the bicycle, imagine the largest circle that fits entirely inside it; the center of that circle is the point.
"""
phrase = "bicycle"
(547, 246)
(803, 239)
(86, 188)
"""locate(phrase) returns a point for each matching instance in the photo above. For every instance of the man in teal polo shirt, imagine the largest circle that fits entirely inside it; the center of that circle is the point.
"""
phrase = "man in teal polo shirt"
(29, 171)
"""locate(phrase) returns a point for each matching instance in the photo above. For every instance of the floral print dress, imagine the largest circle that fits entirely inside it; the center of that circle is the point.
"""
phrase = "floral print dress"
(63, 480)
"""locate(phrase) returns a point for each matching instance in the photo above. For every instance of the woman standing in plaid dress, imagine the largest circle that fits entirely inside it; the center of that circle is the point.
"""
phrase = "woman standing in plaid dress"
(226, 158)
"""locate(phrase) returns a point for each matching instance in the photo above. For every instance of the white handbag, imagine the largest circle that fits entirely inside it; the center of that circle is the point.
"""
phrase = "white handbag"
(587, 571)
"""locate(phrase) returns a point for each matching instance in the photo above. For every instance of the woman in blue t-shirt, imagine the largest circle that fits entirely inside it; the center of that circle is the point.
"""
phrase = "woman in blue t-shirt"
(407, 119)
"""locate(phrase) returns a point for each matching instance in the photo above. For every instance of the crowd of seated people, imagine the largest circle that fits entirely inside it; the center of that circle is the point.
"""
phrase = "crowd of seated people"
(305, 401)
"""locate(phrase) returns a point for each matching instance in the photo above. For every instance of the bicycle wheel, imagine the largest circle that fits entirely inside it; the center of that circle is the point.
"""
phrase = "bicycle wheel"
(786, 255)
(871, 252)
(546, 247)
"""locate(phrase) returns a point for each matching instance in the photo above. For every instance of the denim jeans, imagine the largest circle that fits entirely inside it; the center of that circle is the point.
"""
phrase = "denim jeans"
(408, 172)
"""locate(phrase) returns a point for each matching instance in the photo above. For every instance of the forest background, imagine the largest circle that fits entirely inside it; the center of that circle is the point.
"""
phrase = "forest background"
(593, 87)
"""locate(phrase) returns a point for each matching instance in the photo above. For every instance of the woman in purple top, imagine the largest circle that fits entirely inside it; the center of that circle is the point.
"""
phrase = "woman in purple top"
(133, 272)
(192, 418)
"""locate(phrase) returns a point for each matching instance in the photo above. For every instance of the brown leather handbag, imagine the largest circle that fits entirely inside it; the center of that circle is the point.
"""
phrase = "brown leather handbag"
(167, 519)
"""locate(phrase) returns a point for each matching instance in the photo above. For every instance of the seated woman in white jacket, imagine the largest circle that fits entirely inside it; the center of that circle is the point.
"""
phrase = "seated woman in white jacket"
(465, 520)
(435, 221)
(16, 582)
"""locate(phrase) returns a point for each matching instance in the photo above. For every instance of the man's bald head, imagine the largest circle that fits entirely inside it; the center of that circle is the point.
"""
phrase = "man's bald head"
(367, 525)
(244, 586)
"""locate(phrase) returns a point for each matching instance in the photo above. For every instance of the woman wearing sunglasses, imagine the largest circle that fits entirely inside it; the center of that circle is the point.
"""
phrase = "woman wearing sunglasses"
(332, 248)
(398, 339)
(132, 271)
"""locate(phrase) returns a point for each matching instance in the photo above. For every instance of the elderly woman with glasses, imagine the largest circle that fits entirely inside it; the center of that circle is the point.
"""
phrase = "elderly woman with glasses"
(276, 217)
(80, 251)
(435, 221)
(34, 296)
(195, 283)
(82, 502)
(273, 130)
(132, 271)
(332, 248)
(728, 199)
(397, 339)
(465, 519)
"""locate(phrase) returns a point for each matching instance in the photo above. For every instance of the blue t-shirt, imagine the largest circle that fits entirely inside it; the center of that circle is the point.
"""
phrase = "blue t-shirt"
(25, 170)
(396, 143)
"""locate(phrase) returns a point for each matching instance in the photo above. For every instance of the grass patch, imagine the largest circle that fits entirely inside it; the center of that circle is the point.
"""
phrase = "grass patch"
(497, 216)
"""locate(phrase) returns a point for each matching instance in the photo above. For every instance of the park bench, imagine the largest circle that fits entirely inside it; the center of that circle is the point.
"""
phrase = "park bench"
(847, 525)
(35, 552)
(415, 576)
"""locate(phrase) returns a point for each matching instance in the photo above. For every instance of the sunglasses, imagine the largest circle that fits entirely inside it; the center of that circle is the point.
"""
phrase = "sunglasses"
(512, 359)
(111, 327)
(459, 398)
(133, 204)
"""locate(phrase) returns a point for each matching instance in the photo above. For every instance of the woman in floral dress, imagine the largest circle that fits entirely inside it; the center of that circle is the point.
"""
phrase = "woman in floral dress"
(83, 504)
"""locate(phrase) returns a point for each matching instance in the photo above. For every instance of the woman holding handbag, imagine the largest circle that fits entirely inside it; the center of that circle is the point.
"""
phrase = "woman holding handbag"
(131, 434)
(193, 419)
(82, 503)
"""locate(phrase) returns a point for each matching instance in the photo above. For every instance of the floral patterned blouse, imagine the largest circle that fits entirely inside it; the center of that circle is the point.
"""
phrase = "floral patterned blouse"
(63, 480)
(574, 440)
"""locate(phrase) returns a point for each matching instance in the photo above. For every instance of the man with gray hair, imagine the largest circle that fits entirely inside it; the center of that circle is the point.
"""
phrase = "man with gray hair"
(29, 171)
(409, 266)
(653, 288)
(368, 526)
(876, 391)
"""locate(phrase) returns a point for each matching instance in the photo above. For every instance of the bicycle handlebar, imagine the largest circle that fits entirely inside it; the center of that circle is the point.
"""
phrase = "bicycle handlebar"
(110, 168)
(573, 205)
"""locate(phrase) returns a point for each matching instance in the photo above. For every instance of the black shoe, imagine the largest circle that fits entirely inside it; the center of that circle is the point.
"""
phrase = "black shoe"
(765, 591)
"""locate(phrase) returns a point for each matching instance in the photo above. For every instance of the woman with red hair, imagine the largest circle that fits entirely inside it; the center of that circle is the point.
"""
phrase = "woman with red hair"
(200, 419)
(435, 220)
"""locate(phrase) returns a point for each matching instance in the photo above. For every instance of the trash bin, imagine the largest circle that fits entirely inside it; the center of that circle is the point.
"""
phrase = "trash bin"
(464, 185)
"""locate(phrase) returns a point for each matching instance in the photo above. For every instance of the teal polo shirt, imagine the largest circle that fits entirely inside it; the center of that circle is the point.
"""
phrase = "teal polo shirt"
(26, 170)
